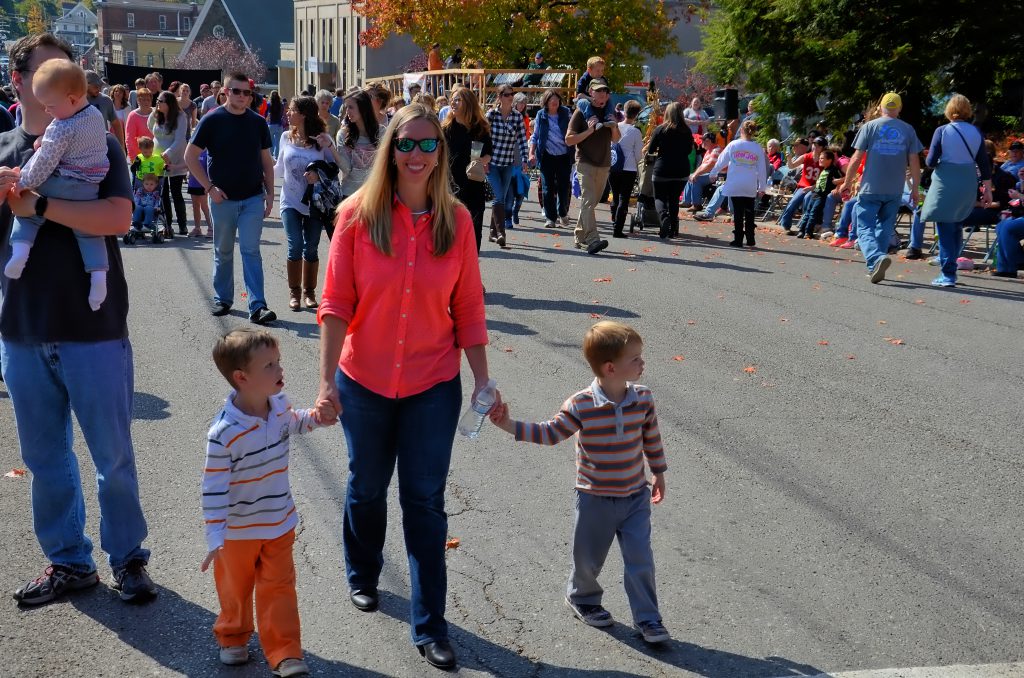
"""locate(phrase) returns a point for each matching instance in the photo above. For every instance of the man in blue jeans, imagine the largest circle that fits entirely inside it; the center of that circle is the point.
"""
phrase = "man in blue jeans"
(240, 184)
(1009, 253)
(891, 146)
(59, 356)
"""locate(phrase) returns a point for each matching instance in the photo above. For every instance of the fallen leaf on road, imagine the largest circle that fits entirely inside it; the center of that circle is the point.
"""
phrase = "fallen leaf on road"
(851, 357)
(452, 543)
(557, 245)
(883, 322)
(750, 369)
(632, 269)
(648, 249)
(508, 349)
(918, 301)
(603, 280)
(895, 342)
(691, 322)
(816, 286)
(965, 301)
(822, 343)
(721, 296)
(674, 253)
(783, 320)
(15, 473)
(595, 315)
(678, 358)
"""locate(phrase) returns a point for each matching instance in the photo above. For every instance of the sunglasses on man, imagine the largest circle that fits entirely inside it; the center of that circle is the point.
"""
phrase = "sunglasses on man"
(406, 145)
(240, 92)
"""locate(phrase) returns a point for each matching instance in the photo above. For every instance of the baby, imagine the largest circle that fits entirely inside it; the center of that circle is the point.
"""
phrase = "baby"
(147, 199)
(69, 163)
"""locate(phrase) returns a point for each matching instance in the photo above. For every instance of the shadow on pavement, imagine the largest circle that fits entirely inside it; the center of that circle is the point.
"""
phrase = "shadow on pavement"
(962, 290)
(508, 254)
(149, 407)
(177, 634)
(509, 328)
(512, 302)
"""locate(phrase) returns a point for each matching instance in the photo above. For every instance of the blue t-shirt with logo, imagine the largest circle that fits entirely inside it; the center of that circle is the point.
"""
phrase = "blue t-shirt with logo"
(887, 142)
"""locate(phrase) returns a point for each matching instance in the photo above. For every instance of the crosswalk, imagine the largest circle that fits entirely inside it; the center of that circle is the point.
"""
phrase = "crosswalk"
(1011, 670)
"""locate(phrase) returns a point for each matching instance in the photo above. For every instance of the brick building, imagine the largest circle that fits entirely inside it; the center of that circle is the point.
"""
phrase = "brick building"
(163, 23)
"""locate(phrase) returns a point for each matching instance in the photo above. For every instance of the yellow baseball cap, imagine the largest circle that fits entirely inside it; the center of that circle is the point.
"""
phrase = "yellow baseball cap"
(892, 101)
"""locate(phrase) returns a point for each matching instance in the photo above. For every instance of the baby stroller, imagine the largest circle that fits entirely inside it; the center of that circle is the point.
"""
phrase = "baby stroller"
(646, 214)
(161, 229)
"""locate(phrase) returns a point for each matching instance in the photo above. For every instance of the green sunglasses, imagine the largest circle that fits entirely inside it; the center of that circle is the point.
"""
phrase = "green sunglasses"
(426, 145)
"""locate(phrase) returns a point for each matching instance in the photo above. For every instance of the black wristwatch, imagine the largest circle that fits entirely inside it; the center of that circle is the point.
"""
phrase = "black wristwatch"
(41, 204)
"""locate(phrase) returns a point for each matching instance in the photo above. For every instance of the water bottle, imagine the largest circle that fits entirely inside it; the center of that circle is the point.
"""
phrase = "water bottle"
(473, 420)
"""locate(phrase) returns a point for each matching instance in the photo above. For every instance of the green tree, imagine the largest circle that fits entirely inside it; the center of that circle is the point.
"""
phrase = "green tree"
(506, 33)
(847, 53)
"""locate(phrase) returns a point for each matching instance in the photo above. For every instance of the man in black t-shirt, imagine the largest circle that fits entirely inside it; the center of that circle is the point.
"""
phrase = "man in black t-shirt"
(59, 355)
(240, 184)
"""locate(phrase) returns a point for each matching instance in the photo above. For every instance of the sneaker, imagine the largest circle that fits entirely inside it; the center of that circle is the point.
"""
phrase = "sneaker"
(262, 316)
(219, 308)
(291, 667)
(913, 253)
(838, 242)
(592, 615)
(801, 235)
(653, 632)
(789, 231)
(550, 224)
(55, 582)
(565, 221)
(134, 583)
(878, 270)
(703, 216)
(943, 281)
(597, 246)
(515, 219)
(1004, 274)
(234, 655)
(848, 245)
(825, 235)
(508, 223)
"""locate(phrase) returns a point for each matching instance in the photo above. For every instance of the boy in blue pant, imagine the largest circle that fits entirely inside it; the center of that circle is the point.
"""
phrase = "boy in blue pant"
(616, 431)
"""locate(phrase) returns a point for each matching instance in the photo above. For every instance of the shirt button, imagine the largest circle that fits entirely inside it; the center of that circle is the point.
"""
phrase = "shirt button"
(398, 364)
(403, 315)
(401, 341)
(408, 291)
(410, 263)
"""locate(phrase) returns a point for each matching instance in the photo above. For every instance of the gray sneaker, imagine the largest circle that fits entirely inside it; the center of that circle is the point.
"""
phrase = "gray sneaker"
(234, 655)
(879, 269)
(653, 632)
(56, 581)
(592, 615)
(133, 583)
(291, 667)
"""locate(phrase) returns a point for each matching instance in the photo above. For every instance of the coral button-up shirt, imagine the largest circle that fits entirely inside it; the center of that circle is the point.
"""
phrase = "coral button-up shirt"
(409, 314)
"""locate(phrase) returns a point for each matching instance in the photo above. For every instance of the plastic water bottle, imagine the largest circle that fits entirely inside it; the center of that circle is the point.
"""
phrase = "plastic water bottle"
(473, 420)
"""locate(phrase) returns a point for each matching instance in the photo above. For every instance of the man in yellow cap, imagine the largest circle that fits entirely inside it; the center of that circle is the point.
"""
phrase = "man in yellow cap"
(891, 145)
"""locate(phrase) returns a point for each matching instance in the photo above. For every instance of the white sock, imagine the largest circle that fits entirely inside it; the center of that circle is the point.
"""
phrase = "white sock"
(19, 258)
(97, 289)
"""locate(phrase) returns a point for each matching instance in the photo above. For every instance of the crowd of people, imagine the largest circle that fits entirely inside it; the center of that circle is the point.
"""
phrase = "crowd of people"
(400, 186)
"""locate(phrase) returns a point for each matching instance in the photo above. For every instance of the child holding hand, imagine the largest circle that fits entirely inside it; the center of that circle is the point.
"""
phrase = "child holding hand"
(616, 431)
(247, 504)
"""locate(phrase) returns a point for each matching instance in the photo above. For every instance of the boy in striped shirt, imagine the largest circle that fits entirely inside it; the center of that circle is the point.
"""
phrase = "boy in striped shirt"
(616, 430)
(247, 504)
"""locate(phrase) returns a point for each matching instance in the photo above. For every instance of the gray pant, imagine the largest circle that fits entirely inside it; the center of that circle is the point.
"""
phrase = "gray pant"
(598, 521)
(92, 247)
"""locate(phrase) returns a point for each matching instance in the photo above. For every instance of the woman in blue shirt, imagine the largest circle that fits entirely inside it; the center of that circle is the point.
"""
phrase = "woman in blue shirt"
(548, 145)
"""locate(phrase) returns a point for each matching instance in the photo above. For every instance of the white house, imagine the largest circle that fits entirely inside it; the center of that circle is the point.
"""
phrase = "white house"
(78, 26)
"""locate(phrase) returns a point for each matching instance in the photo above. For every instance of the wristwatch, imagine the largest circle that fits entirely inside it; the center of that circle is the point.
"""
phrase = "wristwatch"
(41, 204)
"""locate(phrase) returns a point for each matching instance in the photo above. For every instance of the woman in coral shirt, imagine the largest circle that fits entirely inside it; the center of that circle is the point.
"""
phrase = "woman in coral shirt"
(403, 249)
(137, 123)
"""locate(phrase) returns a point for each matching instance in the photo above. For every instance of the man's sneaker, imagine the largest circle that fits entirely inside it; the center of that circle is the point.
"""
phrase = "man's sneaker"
(597, 246)
(653, 632)
(550, 224)
(838, 242)
(943, 281)
(565, 221)
(234, 655)
(703, 216)
(262, 316)
(848, 245)
(825, 235)
(879, 269)
(291, 667)
(592, 615)
(133, 583)
(55, 582)
(219, 308)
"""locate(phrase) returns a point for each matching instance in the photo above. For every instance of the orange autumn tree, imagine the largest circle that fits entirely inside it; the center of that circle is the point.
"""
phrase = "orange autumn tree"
(506, 33)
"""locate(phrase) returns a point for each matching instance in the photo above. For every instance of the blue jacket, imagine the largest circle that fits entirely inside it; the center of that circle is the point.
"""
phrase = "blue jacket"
(539, 139)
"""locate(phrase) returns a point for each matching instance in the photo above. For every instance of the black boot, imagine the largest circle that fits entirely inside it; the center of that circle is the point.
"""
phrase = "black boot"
(737, 237)
(750, 235)
(498, 224)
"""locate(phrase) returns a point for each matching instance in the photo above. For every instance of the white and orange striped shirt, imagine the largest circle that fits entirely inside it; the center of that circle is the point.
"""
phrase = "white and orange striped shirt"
(612, 439)
(245, 482)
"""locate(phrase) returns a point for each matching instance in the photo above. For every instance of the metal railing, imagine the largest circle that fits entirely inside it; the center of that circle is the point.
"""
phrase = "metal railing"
(485, 82)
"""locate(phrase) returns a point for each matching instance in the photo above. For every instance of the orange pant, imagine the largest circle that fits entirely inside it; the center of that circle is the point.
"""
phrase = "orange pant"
(264, 565)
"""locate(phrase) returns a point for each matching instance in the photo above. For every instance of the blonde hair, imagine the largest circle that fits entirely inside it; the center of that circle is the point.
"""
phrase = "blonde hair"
(593, 61)
(674, 116)
(235, 349)
(749, 129)
(374, 198)
(59, 74)
(606, 341)
(959, 108)
(425, 99)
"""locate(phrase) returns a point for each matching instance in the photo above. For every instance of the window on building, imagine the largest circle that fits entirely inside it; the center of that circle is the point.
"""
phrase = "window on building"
(150, 59)
(162, 19)
(186, 23)
(344, 47)
(131, 19)
(129, 58)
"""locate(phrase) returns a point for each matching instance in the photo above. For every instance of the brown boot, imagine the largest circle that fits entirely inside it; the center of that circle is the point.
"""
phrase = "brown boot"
(309, 273)
(294, 269)
(498, 224)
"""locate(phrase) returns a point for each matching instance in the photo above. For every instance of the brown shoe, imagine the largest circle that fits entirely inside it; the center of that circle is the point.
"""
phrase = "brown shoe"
(309, 274)
(294, 271)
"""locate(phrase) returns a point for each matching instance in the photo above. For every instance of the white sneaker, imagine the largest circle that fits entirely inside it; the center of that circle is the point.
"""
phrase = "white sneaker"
(549, 224)
(234, 655)
(291, 667)
(826, 235)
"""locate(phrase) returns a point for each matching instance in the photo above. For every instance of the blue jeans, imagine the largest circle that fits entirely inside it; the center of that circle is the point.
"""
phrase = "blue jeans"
(245, 217)
(143, 215)
(500, 177)
(47, 382)
(814, 206)
(715, 203)
(847, 227)
(694, 191)
(275, 139)
(829, 213)
(917, 231)
(1009, 253)
(951, 236)
(92, 247)
(417, 433)
(786, 220)
(302, 233)
(876, 219)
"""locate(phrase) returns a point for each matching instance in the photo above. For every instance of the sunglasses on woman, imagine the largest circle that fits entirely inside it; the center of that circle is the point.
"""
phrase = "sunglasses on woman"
(426, 145)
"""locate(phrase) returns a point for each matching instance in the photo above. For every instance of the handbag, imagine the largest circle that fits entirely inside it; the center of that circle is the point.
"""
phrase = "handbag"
(327, 193)
(475, 171)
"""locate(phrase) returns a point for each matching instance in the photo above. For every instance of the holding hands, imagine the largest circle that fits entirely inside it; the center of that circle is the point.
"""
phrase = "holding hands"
(326, 414)
(499, 416)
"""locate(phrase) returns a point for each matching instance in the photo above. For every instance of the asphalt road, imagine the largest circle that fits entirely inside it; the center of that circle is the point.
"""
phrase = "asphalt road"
(843, 492)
